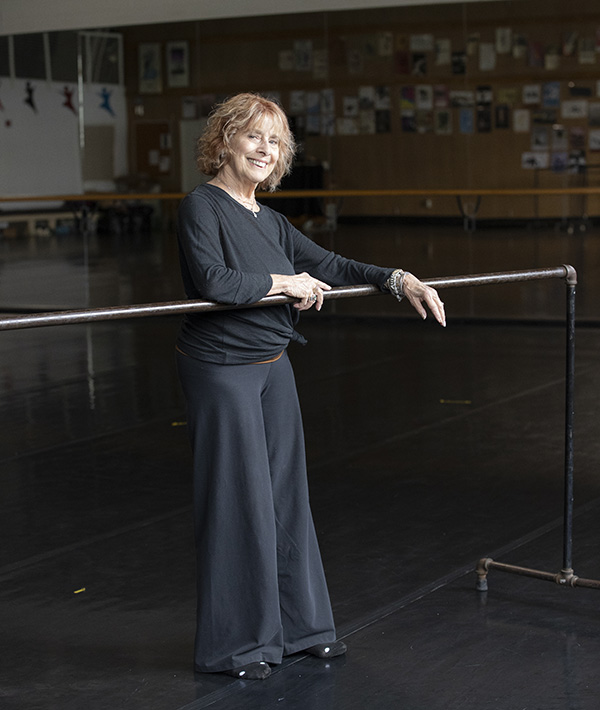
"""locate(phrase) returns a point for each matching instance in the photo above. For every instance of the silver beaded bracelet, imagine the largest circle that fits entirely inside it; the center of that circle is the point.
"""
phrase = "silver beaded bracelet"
(395, 283)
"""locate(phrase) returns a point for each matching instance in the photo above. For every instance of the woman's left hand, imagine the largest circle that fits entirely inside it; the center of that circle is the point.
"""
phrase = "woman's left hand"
(418, 293)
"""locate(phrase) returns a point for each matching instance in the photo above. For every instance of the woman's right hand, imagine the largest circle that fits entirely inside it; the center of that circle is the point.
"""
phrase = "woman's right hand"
(302, 286)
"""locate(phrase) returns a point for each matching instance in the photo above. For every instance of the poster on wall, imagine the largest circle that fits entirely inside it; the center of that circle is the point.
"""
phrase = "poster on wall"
(503, 40)
(443, 122)
(178, 64)
(535, 161)
(532, 94)
(594, 113)
(551, 94)
(540, 138)
(560, 138)
(559, 162)
(150, 74)
(575, 108)
(502, 112)
(419, 64)
(594, 140)
(424, 96)
(487, 56)
(466, 120)
(443, 52)
(459, 63)
(521, 120)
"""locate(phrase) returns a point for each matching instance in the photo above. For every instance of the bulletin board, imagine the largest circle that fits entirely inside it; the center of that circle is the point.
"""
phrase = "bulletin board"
(480, 95)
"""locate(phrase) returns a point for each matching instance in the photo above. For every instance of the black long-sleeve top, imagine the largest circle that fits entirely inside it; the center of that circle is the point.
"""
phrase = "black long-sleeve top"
(227, 254)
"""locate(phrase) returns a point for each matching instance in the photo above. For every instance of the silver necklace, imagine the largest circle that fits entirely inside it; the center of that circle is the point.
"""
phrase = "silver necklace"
(250, 205)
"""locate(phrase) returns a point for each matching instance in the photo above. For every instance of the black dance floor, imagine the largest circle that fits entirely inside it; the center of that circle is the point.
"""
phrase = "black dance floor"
(428, 448)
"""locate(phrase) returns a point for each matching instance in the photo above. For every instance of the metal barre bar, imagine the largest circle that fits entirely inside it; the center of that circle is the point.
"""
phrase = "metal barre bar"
(89, 315)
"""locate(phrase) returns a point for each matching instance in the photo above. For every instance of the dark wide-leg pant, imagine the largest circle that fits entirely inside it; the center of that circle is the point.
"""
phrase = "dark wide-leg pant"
(261, 587)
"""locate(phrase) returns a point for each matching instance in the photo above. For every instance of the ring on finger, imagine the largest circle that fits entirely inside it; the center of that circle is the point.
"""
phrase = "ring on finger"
(313, 298)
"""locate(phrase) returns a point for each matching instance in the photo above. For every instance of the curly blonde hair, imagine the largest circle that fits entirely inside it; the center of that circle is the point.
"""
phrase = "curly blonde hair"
(239, 113)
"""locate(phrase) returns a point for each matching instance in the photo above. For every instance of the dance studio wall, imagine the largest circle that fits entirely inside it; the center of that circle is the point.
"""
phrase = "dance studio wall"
(343, 77)
(40, 138)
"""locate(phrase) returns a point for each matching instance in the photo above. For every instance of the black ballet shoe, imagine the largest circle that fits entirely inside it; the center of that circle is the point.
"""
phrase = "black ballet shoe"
(328, 650)
(253, 671)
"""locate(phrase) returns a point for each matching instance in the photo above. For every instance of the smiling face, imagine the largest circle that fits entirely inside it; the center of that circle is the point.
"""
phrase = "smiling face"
(253, 154)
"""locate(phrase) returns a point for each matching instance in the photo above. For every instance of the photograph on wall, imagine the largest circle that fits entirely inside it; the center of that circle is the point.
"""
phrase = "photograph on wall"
(487, 56)
(594, 113)
(536, 55)
(402, 62)
(574, 108)
(569, 43)
(150, 74)
(441, 98)
(407, 98)
(383, 100)
(507, 95)
(577, 161)
(385, 44)
(424, 121)
(521, 120)
(532, 94)
(540, 138)
(367, 121)
(408, 121)
(421, 43)
(355, 60)
(544, 115)
(347, 126)
(559, 161)
(473, 44)
(313, 103)
(586, 50)
(465, 119)
(286, 60)
(579, 89)
(519, 46)
(560, 139)
(178, 64)
(366, 97)
(484, 95)
(535, 161)
(551, 59)
(297, 102)
(419, 64)
(327, 101)
(576, 138)
(443, 122)
(443, 52)
(503, 40)
(461, 98)
(303, 54)
(551, 94)
(320, 64)
(594, 140)
(350, 106)
(327, 124)
(313, 124)
(502, 115)
(459, 63)
(484, 119)
(424, 96)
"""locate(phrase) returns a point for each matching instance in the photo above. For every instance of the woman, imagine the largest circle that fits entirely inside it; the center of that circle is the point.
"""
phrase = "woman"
(261, 588)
